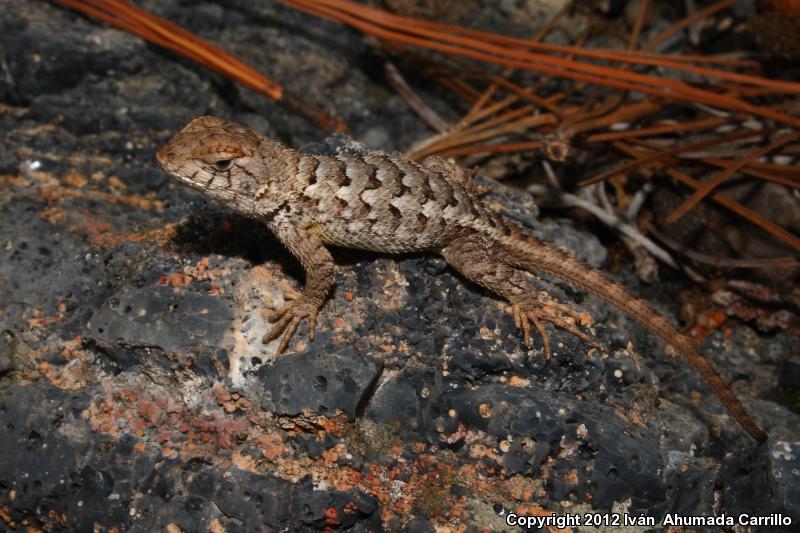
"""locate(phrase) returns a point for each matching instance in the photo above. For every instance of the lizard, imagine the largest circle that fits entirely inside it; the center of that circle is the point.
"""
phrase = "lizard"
(384, 202)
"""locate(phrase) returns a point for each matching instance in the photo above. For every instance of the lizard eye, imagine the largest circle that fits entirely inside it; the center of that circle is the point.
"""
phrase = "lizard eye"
(222, 165)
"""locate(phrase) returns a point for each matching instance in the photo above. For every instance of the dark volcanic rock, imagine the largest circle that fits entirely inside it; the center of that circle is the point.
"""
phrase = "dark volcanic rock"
(78, 484)
(245, 499)
(168, 318)
(774, 484)
(623, 462)
(318, 383)
(135, 391)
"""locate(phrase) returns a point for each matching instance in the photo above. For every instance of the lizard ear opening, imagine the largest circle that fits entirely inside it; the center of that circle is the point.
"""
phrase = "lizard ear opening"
(221, 165)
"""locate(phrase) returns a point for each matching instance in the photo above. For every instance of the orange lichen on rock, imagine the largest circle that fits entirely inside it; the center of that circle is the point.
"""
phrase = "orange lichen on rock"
(208, 435)
(200, 271)
(531, 509)
(72, 376)
(74, 180)
(272, 445)
(7, 181)
(174, 279)
(104, 237)
(5, 516)
(58, 192)
(72, 186)
(337, 425)
(39, 321)
(230, 402)
(191, 273)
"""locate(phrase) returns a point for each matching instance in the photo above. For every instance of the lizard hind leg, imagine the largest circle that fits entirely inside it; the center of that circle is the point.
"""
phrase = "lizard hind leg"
(472, 257)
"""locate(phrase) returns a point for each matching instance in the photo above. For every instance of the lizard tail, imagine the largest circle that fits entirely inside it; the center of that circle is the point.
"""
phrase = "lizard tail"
(532, 254)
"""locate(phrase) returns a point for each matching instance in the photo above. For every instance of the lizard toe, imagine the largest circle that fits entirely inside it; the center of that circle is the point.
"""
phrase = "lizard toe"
(546, 310)
(288, 320)
(288, 332)
(278, 327)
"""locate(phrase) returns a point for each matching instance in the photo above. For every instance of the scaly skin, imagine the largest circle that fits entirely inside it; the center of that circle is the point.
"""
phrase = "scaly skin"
(383, 202)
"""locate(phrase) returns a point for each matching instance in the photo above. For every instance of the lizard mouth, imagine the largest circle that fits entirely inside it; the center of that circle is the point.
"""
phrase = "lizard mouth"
(169, 169)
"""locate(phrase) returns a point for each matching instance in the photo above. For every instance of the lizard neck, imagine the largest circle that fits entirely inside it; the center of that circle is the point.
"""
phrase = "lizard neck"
(280, 188)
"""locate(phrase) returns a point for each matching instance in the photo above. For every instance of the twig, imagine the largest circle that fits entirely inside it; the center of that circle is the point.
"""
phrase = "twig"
(608, 218)
(645, 265)
(644, 10)
(163, 33)
(510, 52)
(670, 152)
(637, 202)
(695, 28)
(469, 137)
(722, 262)
(625, 113)
(756, 218)
(782, 174)
(505, 148)
(729, 171)
(688, 21)
(475, 110)
(701, 124)
(411, 98)
(790, 172)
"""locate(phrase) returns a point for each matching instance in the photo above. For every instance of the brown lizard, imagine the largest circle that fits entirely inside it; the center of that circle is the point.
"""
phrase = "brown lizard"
(384, 202)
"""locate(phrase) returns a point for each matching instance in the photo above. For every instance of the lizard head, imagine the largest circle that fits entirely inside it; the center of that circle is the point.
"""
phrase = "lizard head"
(225, 161)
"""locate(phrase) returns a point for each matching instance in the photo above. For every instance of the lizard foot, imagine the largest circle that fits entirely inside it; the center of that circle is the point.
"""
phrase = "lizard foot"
(288, 317)
(544, 309)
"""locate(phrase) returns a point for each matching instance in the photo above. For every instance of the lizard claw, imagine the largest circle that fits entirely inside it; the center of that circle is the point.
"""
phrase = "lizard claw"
(287, 318)
(544, 309)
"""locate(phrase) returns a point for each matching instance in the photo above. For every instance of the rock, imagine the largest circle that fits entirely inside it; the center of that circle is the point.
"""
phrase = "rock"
(764, 482)
(7, 348)
(319, 383)
(621, 462)
(135, 391)
(164, 317)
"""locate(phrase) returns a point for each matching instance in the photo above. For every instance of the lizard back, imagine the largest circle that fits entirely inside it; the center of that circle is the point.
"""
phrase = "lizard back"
(376, 201)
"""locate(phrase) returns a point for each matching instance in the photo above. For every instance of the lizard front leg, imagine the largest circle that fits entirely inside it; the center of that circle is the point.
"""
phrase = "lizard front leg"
(472, 257)
(319, 267)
